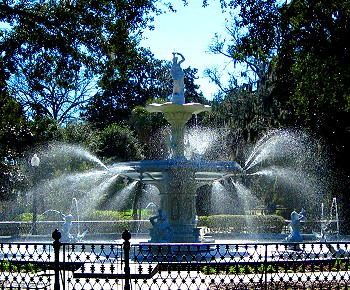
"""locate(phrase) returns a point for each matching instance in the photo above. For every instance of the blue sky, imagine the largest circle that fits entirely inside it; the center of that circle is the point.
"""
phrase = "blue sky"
(189, 31)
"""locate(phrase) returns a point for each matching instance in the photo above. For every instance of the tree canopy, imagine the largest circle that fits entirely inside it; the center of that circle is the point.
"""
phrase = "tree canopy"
(56, 51)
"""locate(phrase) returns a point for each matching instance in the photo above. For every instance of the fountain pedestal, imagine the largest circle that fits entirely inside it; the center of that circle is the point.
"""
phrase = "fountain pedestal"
(178, 187)
(178, 200)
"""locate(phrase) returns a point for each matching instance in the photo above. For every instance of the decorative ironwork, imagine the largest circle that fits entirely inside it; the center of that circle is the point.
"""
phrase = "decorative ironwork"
(175, 266)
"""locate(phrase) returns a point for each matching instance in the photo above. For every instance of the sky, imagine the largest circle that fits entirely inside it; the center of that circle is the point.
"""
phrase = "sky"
(189, 31)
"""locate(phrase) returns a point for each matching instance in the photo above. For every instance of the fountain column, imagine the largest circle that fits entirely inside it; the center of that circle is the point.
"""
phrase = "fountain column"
(178, 188)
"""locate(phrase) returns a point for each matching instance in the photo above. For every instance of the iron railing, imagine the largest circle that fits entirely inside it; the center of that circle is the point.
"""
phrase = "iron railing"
(174, 266)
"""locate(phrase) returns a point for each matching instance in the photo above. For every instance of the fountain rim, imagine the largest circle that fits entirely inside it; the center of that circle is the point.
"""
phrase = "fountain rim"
(169, 107)
(204, 171)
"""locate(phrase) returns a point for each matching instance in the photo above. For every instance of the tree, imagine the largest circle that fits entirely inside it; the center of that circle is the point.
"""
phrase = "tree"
(122, 89)
(297, 51)
(81, 133)
(305, 44)
(118, 143)
(51, 85)
(56, 45)
(15, 137)
(252, 45)
(314, 75)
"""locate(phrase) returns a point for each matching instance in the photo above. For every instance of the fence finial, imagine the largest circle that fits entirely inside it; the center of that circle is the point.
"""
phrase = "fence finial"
(126, 236)
(56, 235)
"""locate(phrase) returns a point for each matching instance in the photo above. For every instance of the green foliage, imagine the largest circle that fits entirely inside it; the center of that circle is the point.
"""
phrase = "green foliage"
(105, 215)
(142, 77)
(119, 143)
(45, 129)
(7, 266)
(26, 217)
(257, 268)
(208, 270)
(15, 137)
(54, 51)
(82, 133)
(316, 34)
(243, 223)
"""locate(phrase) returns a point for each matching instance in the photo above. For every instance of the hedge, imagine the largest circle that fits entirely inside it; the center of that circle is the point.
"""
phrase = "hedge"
(250, 224)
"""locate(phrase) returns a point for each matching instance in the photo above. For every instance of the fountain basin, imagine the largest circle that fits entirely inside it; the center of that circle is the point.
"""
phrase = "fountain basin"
(152, 171)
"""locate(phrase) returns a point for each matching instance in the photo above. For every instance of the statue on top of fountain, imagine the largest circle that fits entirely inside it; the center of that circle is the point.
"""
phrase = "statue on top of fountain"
(161, 230)
(295, 226)
(177, 97)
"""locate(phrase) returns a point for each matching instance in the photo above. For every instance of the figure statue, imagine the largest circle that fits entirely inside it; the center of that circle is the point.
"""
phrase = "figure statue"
(66, 236)
(295, 226)
(178, 77)
(161, 228)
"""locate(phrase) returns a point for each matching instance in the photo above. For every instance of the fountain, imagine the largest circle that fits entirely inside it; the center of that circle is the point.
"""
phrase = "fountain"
(329, 224)
(174, 181)
(177, 178)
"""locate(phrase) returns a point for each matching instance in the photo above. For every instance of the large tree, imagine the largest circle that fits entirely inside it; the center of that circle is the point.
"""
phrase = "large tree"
(304, 43)
(123, 88)
(53, 47)
(15, 137)
(313, 71)
(251, 42)
(298, 51)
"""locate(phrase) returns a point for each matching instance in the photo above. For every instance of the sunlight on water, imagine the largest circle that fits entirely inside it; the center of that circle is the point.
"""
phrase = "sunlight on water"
(220, 197)
(246, 196)
(97, 192)
(123, 196)
(59, 150)
(277, 145)
(283, 164)
(198, 141)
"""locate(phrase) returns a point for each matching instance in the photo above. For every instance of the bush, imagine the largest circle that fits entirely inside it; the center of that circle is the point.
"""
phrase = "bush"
(252, 224)
(105, 215)
(120, 143)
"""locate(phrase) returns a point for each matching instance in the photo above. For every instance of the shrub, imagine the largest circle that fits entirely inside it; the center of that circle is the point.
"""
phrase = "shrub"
(104, 215)
(243, 223)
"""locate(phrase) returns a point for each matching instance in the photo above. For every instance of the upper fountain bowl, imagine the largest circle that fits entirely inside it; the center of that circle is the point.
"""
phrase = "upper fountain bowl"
(171, 108)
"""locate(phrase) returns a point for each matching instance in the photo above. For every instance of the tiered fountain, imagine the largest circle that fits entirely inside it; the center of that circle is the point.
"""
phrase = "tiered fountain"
(290, 160)
(177, 178)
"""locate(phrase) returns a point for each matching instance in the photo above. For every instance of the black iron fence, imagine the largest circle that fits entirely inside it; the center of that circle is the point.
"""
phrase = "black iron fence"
(125, 265)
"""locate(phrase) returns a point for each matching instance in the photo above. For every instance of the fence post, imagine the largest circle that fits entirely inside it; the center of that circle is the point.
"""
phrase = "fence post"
(265, 266)
(126, 236)
(56, 235)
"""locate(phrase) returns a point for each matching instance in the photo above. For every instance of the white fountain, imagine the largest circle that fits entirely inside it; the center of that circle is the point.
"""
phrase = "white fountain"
(177, 178)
